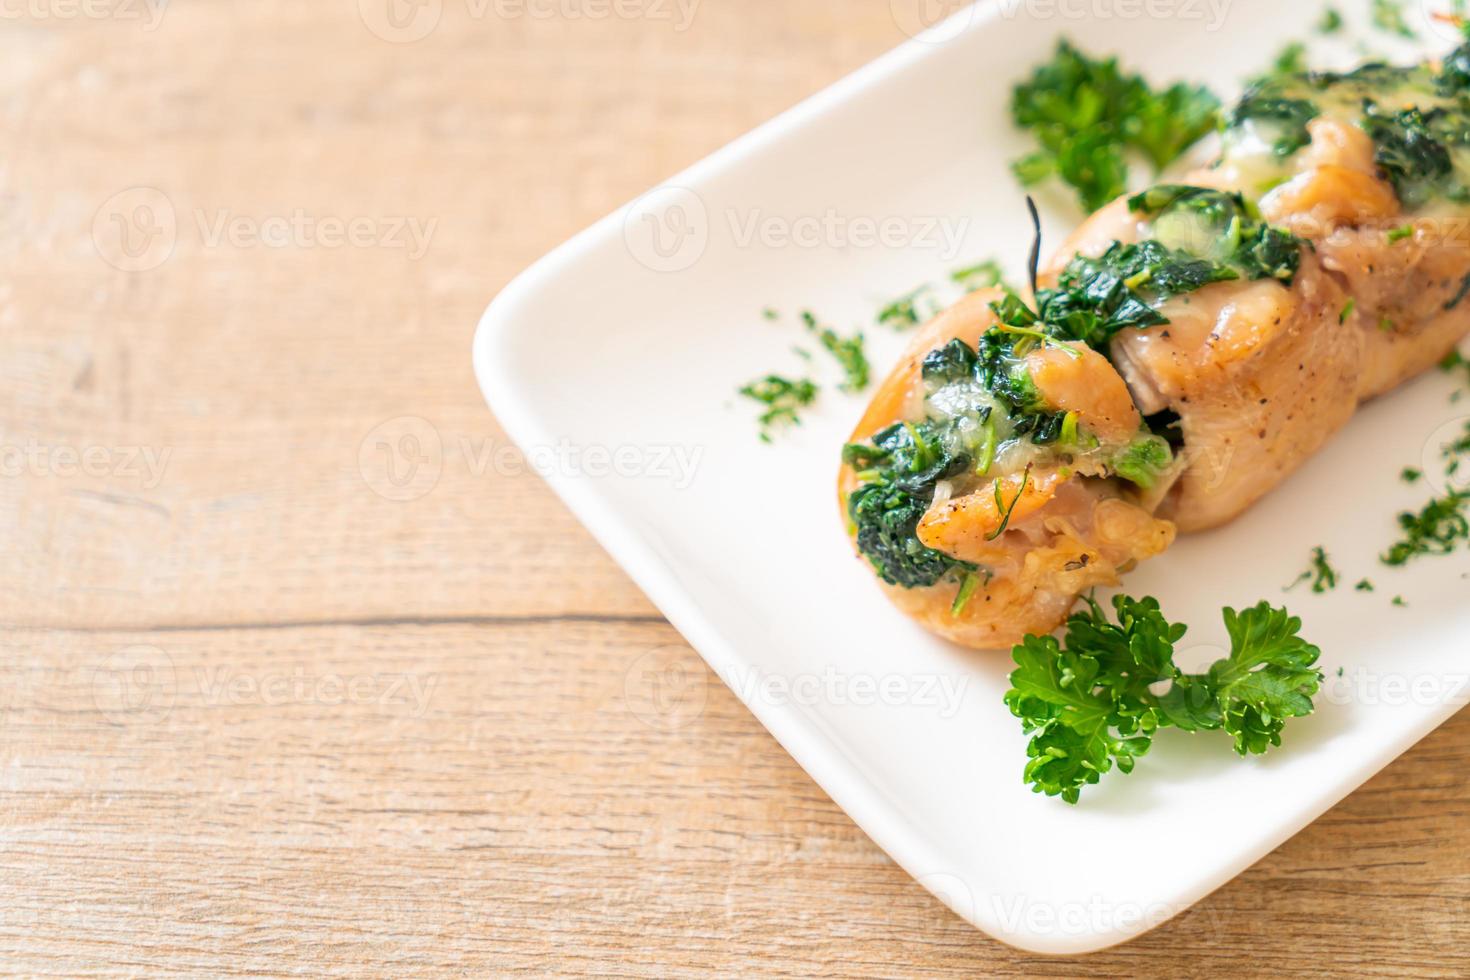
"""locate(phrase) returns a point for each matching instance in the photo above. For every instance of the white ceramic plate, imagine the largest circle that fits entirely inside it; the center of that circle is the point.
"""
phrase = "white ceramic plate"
(630, 340)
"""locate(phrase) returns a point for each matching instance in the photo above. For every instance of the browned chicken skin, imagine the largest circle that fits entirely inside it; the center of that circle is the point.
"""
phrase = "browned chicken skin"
(1261, 376)
(1260, 372)
(1065, 533)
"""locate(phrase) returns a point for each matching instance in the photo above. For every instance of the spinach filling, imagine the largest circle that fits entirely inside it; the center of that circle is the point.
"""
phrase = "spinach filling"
(1418, 119)
(1201, 236)
(978, 399)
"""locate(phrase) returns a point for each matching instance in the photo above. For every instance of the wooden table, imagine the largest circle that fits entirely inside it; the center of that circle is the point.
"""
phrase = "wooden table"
(273, 700)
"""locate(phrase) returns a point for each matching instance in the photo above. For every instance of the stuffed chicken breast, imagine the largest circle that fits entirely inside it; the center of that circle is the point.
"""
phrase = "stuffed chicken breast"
(1189, 348)
(998, 473)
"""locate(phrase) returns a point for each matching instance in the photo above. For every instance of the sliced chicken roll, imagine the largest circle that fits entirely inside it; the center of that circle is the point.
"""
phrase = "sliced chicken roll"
(1190, 347)
(999, 473)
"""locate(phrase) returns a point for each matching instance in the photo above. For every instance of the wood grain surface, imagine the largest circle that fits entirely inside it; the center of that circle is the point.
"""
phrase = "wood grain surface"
(273, 704)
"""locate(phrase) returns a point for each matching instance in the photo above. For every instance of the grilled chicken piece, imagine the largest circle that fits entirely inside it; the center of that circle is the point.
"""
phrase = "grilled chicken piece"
(1043, 530)
(1261, 376)
(1247, 346)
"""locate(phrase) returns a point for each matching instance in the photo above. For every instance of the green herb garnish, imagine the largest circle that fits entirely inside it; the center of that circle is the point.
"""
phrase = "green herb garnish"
(1435, 530)
(847, 350)
(981, 275)
(783, 398)
(1090, 705)
(1331, 21)
(1364, 586)
(1290, 60)
(1321, 573)
(1388, 16)
(962, 598)
(1008, 509)
(1087, 114)
(904, 312)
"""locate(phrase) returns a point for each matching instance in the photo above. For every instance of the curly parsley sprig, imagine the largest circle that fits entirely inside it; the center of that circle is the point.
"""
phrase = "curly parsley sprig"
(1089, 701)
(1089, 115)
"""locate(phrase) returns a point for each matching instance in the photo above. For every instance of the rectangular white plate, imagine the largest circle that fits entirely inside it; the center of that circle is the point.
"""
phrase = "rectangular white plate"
(620, 342)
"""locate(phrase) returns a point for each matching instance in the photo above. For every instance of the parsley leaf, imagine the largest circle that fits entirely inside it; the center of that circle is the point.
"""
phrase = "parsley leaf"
(1434, 530)
(783, 397)
(1269, 677)
(1089, 702)
(1321, 573)
(847, 350)
(1087, 113)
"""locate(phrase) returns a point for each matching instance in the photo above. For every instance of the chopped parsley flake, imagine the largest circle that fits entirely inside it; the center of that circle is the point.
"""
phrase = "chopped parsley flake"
(906, 311)
(1087, 114)
(783, 398)
(1435, 530)
(1388, 16)
(1321, 573)
(981, 275)
(1291, 60)
(847, 350)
